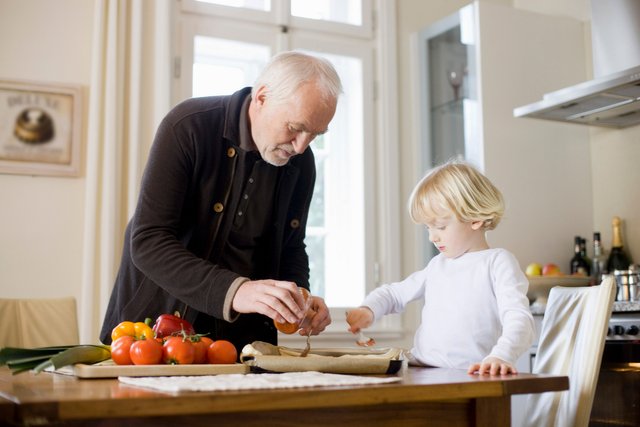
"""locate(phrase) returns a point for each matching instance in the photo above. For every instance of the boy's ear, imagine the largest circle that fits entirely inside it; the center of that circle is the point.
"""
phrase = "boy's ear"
(477, 225)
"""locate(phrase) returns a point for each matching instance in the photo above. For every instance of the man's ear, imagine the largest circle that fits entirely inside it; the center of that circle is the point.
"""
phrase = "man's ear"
(261, 95)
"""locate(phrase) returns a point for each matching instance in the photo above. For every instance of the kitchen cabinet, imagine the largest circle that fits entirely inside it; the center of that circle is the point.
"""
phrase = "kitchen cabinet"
(448, 93)
(447, 88)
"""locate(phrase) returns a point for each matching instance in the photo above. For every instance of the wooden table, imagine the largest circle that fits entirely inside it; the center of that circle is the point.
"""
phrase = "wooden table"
(439, 397)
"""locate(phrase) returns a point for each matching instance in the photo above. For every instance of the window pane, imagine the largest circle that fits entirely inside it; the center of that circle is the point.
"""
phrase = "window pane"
(316, 211)
(344, 11)
(221, 67)
(248, 4)
(335, 231)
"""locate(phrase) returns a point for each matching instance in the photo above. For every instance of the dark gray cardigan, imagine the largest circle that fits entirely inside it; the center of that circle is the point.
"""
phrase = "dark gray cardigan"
(178, 229)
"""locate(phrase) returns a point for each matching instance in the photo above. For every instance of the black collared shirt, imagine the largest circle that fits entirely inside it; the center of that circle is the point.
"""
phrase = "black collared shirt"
(246, 249)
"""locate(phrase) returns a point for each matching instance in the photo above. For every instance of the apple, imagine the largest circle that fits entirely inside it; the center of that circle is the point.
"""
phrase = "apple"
(533, 269)
(551, 269)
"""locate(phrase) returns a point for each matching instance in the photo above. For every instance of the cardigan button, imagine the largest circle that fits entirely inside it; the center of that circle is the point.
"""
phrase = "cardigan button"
(231, 152)
(295, 223)
(218, 207)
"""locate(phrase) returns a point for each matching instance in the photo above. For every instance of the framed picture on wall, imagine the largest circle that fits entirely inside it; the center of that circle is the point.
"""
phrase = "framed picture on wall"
(40, 126)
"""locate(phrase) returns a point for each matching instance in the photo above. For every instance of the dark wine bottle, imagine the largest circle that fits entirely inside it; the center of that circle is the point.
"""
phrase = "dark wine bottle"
(618, 259)
(578, 264)
(598, 263)
(583, 252)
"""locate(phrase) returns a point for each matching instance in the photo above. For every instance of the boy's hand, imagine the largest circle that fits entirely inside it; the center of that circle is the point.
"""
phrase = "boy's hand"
(492, 366)
(359, 318)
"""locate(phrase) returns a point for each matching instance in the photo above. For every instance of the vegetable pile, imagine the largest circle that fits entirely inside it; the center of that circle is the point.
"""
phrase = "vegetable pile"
(171, 340)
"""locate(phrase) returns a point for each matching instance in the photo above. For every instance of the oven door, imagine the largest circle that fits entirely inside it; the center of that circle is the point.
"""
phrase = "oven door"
(617, 398)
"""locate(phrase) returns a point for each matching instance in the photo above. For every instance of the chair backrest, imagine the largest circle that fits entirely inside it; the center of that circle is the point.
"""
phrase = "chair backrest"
(574, 329)
(41, 322)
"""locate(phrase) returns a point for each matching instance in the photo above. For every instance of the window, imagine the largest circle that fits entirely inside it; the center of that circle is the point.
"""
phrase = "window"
(226, 43)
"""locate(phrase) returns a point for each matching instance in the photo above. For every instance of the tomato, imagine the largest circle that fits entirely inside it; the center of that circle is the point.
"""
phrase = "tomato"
(222, 352)
(200, 345)
(178, 351)
(138, 330)
(146, 352)
(290, 328)
(120, 350)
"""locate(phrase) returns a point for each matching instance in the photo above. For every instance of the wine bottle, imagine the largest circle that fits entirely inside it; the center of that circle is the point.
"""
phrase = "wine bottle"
(618, 259)
(578, 263)
(583, 252)
(598, 262)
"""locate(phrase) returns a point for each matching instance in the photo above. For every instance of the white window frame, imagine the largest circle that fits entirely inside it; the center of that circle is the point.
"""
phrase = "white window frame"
(279, 15)
(381, 148)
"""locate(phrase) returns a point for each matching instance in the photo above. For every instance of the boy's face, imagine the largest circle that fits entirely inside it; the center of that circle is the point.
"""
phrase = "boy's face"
(454, 238)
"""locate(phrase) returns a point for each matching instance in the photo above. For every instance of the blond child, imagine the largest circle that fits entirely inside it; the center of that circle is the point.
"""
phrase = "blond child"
(476, 313)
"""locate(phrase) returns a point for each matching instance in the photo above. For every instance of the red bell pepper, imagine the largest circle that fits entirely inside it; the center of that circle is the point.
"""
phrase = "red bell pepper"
(170, 324)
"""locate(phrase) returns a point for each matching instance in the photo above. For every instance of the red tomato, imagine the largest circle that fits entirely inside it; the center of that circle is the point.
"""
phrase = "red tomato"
(222, 352)
(120, 350)
(178, 351)
(201, 346)
(146, 352)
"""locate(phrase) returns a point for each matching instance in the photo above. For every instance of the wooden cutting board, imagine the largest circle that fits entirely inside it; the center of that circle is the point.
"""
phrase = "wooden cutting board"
(108, 369)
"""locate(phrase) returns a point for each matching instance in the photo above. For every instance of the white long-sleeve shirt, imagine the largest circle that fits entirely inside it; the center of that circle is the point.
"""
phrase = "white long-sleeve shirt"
(475, 306)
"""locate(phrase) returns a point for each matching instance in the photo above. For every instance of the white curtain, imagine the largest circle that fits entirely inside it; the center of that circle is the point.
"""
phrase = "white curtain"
(117, 107)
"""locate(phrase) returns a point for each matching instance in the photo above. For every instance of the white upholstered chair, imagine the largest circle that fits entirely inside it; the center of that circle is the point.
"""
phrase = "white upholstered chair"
(574, 329)
(39, 322)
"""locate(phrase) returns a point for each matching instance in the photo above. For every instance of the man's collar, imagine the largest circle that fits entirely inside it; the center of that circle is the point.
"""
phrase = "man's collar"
(246, 140)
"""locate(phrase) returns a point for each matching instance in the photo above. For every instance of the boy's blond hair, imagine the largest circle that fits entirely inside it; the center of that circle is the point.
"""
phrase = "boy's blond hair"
(460, 189)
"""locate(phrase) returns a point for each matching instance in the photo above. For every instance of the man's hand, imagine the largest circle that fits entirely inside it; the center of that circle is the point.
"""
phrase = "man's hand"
(319, 316)
(276, 299)
(492, 366)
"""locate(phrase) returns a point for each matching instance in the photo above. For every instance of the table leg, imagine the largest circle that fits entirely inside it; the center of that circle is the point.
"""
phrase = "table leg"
(493, 411)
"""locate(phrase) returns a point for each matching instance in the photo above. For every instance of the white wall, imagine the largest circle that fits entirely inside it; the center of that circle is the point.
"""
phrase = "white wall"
(41, 217)
(615, 165)
(542, 167)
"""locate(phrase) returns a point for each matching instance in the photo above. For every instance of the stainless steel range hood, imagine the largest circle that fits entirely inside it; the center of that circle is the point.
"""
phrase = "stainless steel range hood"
(611, 101)
(612, 98)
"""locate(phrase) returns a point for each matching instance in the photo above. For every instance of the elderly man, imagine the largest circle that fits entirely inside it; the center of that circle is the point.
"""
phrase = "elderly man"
(218, 231)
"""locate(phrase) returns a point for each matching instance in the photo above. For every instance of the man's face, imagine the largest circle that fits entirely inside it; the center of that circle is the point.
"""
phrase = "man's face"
(281, 130)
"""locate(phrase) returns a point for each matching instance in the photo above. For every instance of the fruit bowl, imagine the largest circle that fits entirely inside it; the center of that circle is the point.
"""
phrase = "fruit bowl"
(539, 286)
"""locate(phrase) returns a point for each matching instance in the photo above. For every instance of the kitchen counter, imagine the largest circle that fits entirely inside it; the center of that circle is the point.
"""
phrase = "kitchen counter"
(445, 397)
(618, 307)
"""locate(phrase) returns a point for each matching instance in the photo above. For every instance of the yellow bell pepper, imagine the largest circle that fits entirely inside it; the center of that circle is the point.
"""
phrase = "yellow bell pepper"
(138, 330)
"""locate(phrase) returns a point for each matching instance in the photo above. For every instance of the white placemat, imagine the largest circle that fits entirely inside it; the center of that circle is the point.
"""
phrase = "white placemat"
(251, 381)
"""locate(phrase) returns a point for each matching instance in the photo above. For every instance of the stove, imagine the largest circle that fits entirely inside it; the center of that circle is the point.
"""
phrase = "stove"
(624, 326)
(617, 397)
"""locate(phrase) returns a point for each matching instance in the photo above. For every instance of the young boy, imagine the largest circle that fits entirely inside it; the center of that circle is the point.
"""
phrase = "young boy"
(476, 313)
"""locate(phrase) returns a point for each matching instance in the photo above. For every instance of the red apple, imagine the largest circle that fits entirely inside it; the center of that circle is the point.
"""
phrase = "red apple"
(551, 269)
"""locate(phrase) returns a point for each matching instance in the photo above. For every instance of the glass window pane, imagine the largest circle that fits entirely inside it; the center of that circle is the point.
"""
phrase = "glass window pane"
(343, 11)
(221, 67)
(316, 211)
(248, 4)
(336, 225)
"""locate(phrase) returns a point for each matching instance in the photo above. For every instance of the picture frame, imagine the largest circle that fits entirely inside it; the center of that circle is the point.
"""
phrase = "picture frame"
(40, 128)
